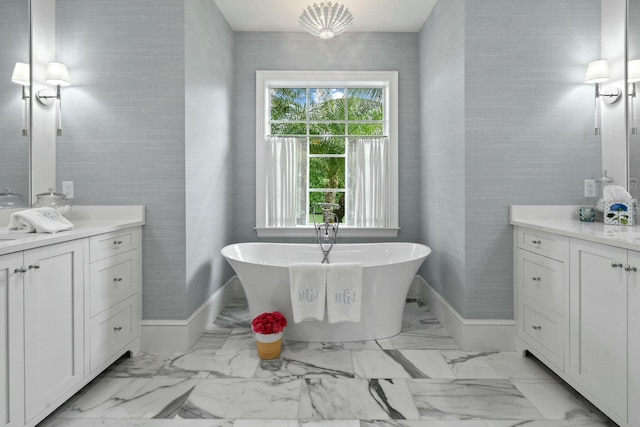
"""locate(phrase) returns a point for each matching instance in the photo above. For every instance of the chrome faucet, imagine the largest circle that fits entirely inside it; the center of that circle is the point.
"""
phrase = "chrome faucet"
(326, 233)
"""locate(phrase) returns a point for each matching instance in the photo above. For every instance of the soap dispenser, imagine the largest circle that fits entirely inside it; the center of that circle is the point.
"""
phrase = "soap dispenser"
(600, 184)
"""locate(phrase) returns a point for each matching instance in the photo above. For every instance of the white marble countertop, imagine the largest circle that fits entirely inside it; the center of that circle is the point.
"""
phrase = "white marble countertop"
(87, 221)
(564, 220)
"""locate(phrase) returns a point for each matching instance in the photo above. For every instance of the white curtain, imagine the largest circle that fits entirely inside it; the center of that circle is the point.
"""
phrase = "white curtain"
(368, 182)
(286, 170)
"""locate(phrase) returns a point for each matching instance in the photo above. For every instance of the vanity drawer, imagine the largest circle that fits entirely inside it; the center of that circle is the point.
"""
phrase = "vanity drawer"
(545, 244)
(543, 279)
(542, 329)
(106, 245)
(112, 280)
(112, 330)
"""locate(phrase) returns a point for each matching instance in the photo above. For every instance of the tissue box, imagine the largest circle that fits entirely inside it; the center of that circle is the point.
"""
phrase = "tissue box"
(620, 212)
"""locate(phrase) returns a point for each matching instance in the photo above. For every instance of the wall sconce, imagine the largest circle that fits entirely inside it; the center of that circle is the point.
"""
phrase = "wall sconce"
(598, 72)
(633, 76)
(58, 75)
(21, 76)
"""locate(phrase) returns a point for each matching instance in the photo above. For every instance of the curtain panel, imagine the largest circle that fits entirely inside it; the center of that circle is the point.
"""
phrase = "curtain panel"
(286, 181)
(368, 183)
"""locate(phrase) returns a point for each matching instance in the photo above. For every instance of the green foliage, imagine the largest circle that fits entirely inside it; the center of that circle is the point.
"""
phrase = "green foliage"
(288, 104)
(327, 117)
(319, 145)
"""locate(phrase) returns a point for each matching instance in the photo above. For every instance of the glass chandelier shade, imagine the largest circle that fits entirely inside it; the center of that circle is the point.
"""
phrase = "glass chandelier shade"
(326, 20)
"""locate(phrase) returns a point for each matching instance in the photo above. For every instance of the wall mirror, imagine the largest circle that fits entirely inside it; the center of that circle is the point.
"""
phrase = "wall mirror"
(633, 108)
(14, 117)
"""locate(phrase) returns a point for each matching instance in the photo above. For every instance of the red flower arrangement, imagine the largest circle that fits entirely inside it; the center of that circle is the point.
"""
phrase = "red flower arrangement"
(269, 323)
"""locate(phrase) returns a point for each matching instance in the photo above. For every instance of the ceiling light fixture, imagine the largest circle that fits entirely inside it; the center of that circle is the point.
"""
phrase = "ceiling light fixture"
(326, 20)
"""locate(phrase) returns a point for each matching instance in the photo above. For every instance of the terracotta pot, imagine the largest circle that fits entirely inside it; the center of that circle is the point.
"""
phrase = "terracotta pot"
(269, 345)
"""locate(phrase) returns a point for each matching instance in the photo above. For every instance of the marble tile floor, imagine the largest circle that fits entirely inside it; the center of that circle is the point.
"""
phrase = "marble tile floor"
(417, 378)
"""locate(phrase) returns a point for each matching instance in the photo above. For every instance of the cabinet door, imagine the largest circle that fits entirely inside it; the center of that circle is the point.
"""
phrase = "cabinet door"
(634, 338)
(598, 323)
(53, 293)
(11, 354)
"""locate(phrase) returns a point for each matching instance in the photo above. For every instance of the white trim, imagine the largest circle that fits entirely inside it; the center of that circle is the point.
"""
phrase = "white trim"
(265, 79)
(469, 334)
(342, 232)
(174, 336)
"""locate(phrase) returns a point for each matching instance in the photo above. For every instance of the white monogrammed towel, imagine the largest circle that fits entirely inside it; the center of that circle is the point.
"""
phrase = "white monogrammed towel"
(344, 292)
(40, 220)
(307, 283)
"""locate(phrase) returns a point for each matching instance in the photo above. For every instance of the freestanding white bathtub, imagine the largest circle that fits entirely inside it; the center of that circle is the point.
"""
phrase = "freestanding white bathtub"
(388, 270)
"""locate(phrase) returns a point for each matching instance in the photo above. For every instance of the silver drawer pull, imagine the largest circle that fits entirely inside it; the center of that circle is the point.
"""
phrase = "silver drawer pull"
(537, 328)
(117, 329)
(117, 242)
(536, 242)
(35, 266)
(536, 279)
(629, 268)
(117, 279)
(20, 270)
(616, 265)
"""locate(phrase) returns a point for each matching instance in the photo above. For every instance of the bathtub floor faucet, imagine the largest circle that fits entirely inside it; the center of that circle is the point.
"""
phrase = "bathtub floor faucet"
(327, 232)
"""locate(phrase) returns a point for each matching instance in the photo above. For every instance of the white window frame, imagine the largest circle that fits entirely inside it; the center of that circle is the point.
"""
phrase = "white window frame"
(265, 80)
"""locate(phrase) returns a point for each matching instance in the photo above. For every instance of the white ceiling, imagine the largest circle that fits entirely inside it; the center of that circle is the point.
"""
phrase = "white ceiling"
(369, 15)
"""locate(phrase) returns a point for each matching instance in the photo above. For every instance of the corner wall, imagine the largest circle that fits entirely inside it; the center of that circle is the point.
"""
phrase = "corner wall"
(527, 125)
(442, 149)
(208, 147)
(123, 136)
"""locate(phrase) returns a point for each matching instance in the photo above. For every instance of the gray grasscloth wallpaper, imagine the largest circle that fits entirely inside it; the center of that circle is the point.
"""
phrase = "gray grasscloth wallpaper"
(209, 145)
(524, 135)
(442, 148)
(146, 121)
(492, 113)
(348, 52)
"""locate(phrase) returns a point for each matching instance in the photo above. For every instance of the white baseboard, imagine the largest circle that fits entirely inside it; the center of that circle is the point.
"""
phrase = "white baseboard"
(469, 334)
(174, 336)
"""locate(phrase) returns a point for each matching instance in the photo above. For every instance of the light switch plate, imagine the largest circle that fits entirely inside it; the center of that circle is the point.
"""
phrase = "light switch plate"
(589, 188)
(67, 189)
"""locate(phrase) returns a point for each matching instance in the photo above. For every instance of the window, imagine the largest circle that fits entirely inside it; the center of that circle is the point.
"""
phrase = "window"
(312, 128)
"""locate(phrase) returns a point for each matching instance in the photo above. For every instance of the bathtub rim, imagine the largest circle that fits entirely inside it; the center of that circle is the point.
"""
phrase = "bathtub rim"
(426, 251)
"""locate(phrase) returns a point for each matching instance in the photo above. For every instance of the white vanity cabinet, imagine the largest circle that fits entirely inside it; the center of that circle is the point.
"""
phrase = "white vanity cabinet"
(115, 278)
(633, 333)
(53, 323)
(11, 350)
(42, 295)
(542, 283)
(68, 309)
(578, 310)
(598, 331)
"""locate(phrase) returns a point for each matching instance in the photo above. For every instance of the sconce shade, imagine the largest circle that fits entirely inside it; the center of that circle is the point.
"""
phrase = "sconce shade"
(57, 74)
(597, 72)
(21, 74)
(633, 71)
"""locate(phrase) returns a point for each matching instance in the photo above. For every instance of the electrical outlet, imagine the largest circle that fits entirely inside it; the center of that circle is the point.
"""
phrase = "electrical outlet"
(67, 189)
(590, 188)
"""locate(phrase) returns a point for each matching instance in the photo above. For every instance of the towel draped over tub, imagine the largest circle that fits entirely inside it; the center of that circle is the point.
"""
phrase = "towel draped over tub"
(336, 286)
